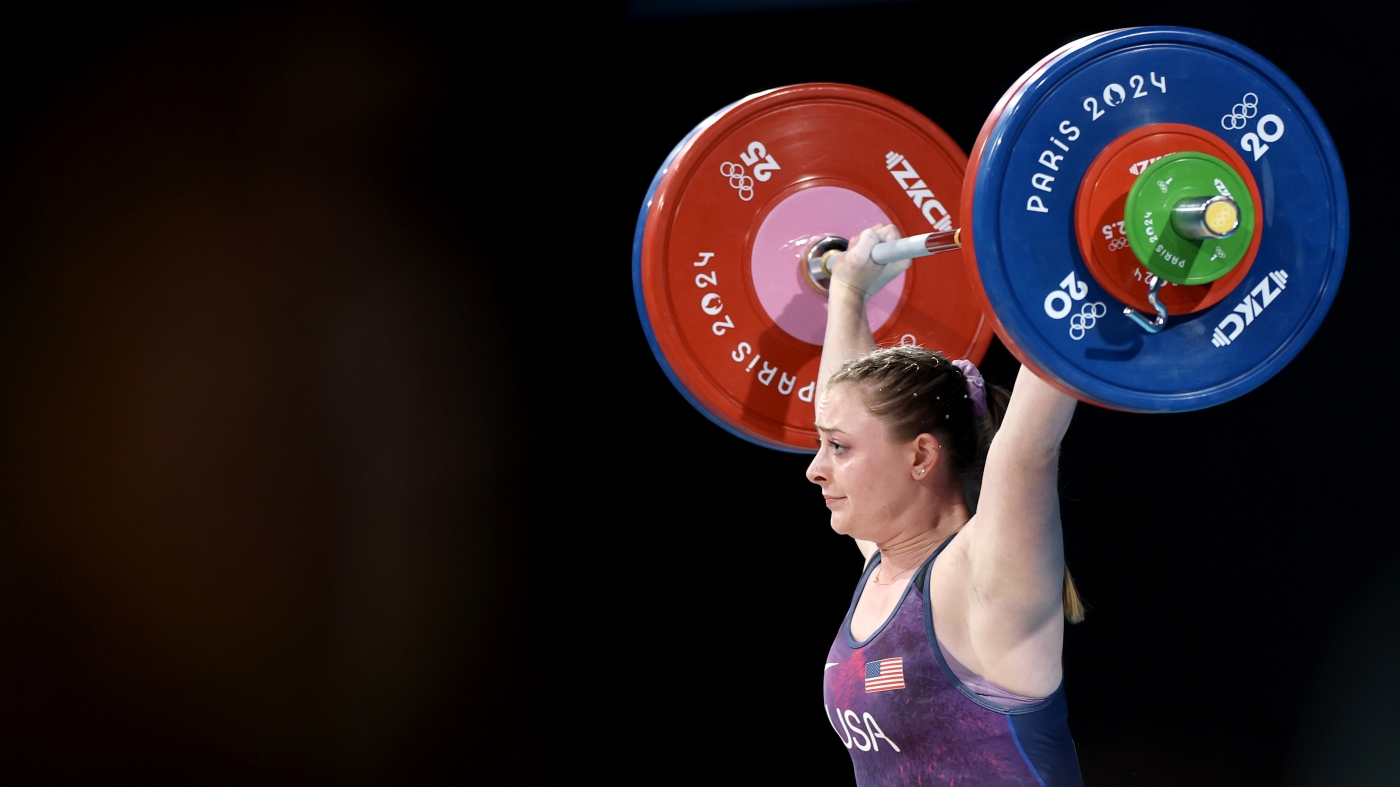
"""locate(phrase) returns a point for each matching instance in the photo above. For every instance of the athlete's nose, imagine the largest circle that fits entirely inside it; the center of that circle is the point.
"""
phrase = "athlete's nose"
(816, 469)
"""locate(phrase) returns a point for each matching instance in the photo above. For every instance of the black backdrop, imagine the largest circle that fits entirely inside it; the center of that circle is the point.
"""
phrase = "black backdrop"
(319, 466)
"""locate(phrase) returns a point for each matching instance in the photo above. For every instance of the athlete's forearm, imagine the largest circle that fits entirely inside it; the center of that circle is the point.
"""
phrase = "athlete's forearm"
(1035, 422)
(847, 333)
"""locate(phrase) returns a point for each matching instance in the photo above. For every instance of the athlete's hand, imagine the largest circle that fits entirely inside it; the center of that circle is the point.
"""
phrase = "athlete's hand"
(855, 270)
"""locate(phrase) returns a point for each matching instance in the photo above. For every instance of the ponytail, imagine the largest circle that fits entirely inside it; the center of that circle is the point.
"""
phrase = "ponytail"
(1074, 606)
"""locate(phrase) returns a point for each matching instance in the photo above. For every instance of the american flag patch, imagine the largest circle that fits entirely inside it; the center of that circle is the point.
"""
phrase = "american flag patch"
(884, 675)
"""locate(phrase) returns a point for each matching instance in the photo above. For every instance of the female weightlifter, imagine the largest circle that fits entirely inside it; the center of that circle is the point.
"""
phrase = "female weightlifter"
(947, 667)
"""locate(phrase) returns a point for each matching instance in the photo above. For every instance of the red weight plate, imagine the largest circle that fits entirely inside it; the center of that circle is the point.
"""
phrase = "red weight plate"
(1098, 216)
(720, 258)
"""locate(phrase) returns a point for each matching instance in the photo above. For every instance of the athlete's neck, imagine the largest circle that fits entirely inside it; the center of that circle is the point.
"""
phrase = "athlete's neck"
(911, 547)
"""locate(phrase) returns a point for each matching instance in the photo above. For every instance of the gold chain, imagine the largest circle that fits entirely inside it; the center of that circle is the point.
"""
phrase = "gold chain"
(896, 576)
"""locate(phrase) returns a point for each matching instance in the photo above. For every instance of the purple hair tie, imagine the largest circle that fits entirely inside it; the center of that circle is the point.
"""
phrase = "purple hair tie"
(976, 387)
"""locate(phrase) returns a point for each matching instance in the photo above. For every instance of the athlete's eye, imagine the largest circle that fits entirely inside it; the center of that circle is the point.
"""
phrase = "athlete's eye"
(837, 448)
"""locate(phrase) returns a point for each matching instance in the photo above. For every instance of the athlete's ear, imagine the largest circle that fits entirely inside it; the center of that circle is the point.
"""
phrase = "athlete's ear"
(926, 455)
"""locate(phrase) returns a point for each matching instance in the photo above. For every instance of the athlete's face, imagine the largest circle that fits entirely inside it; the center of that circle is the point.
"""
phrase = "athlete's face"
(868, 480)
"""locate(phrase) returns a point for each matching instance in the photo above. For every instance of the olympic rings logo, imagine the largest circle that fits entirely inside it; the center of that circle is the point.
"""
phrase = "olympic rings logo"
(737, 179)
(1117, 243)
(1241, 113)
(1086, 319)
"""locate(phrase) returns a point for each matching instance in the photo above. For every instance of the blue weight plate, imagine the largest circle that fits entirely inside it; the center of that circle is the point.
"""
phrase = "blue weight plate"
(1032, 158)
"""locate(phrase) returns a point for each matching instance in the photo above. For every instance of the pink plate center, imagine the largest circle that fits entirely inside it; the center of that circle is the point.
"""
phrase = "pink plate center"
(776, 262)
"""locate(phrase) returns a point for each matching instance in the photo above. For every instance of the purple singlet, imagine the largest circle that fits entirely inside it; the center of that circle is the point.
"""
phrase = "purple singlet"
(908, 720)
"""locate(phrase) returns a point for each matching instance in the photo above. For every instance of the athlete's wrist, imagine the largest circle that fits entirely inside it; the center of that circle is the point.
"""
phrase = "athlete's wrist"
(842, 293)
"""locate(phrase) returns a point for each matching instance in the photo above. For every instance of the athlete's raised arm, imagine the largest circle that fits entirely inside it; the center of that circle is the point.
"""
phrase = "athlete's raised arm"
(855, 278)
(1014, 544)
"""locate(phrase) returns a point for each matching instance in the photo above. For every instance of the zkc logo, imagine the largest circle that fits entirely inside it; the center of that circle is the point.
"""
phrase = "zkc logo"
(918, 191)
(1254, 304)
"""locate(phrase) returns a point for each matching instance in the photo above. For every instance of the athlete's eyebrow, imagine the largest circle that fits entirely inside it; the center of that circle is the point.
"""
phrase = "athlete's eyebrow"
(821, 428)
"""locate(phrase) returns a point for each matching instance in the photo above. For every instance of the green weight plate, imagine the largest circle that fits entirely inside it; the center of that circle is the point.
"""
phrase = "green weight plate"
(1148, 218)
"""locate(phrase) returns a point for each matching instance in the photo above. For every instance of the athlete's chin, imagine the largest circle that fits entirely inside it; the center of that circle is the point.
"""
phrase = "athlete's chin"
(841, 523)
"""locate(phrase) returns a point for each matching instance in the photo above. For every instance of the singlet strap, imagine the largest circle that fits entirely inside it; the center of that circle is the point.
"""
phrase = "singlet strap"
(921, 579)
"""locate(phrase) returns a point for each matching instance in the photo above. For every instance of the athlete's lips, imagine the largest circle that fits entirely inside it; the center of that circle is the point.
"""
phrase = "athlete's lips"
(829, 499)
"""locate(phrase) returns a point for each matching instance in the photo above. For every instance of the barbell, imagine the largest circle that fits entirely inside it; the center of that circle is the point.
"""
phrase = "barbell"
(1152, 220)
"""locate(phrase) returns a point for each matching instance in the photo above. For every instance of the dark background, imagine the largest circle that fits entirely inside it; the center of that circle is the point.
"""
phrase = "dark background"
(308, 474)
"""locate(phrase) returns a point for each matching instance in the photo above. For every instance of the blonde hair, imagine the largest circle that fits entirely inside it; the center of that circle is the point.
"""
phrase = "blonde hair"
(1073, 604)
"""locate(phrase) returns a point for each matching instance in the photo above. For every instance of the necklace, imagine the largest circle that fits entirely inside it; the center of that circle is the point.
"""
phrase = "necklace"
(881, 574)
(892, 579)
